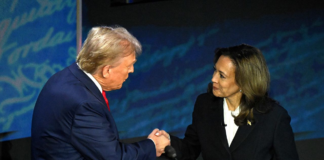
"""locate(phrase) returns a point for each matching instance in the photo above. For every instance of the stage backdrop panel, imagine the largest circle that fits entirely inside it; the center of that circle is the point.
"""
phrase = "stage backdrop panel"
(37, 39)
(179, 39)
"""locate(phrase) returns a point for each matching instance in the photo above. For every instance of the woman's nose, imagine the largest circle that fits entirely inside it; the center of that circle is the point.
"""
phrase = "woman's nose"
(214, 78)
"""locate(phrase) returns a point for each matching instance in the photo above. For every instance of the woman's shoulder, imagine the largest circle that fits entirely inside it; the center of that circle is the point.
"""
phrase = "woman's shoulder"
(207, 100)
(272, 106)
(208, 97)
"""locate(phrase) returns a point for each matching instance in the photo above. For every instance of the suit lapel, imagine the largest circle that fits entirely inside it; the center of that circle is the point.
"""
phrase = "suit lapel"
(89, 84)
(240, 136)
(77, 72)
(218, 117)
(243, 132)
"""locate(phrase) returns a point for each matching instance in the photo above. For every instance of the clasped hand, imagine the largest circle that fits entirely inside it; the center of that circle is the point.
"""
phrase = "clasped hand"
(161, 139)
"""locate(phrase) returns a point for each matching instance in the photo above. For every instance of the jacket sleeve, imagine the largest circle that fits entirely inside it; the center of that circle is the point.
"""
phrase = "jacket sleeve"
(188, 148)
(284, 142)
(95, 137)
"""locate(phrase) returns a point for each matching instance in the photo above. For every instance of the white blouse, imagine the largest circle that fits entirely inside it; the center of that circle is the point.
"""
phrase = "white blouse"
(230, 127)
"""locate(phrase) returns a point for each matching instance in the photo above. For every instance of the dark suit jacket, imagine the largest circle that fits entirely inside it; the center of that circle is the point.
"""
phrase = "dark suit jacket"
(71, 121)
(269, 137)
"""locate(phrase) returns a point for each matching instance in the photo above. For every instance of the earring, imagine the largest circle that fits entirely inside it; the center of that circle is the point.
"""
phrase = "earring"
(240, 90)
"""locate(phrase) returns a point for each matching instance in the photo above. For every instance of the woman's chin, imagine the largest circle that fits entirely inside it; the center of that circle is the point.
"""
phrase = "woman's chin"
(216, 94)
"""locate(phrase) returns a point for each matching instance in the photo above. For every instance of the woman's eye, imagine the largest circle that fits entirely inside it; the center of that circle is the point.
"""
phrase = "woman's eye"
(221, 76)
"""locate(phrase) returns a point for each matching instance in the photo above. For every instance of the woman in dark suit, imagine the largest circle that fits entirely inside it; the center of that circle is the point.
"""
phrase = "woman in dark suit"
(237, 120)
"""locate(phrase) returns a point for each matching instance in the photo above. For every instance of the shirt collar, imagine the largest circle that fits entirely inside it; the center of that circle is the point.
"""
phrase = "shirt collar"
(93, 79)
(225, 106)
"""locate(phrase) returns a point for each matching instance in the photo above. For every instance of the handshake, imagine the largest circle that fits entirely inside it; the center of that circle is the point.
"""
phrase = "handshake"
(161, 139)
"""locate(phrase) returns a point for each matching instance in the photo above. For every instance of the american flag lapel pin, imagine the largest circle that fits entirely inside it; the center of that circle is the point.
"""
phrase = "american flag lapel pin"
(249, 122)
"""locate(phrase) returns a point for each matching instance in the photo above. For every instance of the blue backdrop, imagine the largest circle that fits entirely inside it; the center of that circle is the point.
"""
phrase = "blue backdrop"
(177, 65)
(38, 39)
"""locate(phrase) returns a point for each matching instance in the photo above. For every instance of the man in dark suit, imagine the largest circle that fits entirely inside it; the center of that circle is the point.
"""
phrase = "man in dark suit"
(72, 118)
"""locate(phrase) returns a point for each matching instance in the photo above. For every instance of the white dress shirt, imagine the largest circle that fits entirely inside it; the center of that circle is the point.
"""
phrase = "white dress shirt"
(93, 79)
(231, 127)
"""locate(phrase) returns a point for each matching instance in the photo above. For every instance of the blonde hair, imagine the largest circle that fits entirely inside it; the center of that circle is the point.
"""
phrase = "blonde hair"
(105, 46)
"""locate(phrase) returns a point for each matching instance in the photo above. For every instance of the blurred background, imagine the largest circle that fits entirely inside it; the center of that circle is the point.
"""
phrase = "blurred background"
(39, 38)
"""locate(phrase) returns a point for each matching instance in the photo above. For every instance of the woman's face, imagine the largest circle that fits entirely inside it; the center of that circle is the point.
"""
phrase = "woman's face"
(224, 84)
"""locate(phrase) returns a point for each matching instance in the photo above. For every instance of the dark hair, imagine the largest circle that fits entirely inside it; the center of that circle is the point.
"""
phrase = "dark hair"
(251, 75)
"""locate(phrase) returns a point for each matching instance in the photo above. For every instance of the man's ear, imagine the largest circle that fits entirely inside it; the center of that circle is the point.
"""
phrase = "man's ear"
(105, 72)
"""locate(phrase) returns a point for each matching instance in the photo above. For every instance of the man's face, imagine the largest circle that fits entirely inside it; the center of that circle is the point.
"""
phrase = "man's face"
(118, 74)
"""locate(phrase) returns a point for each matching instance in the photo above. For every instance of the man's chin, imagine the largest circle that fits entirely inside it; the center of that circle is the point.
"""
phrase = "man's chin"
(115, 87)
(118, 87)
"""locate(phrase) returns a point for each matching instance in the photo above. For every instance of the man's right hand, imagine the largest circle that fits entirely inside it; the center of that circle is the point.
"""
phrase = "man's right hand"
(160, 141)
